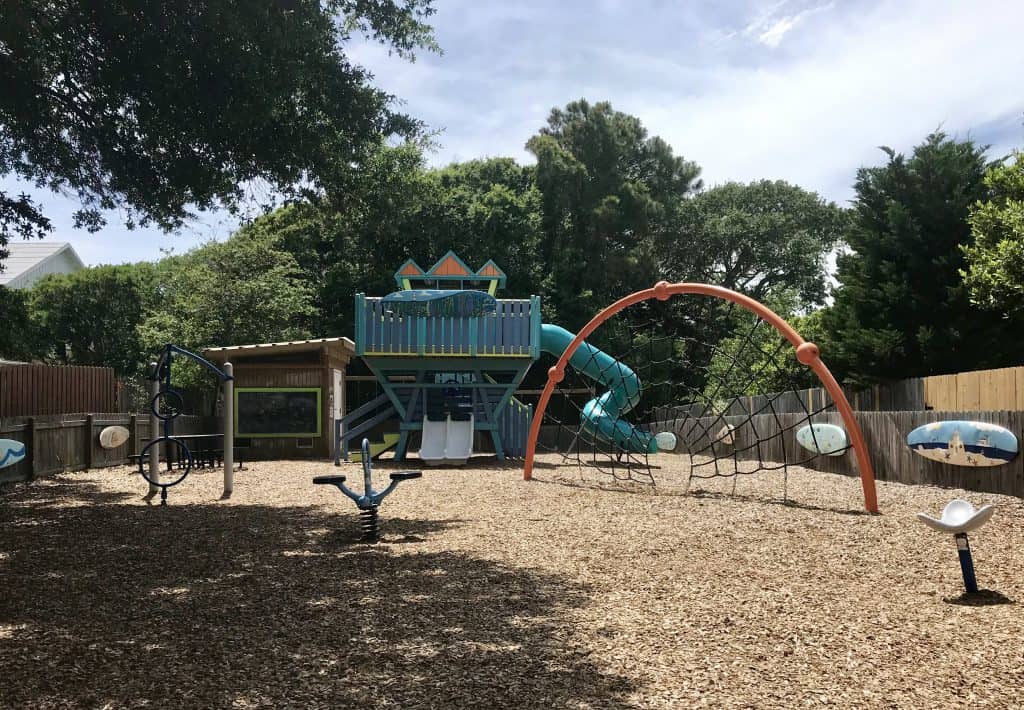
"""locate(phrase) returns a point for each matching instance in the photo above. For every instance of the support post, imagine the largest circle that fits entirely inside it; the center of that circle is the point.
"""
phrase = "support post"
(963, 549)
(154, 434)
(229, 430)
(89, 424)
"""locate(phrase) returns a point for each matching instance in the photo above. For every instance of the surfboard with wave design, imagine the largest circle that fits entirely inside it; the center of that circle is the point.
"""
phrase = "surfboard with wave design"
(11, 452)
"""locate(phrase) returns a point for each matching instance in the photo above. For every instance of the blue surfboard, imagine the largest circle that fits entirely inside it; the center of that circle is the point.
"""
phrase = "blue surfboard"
(11, 452)
(964, 443)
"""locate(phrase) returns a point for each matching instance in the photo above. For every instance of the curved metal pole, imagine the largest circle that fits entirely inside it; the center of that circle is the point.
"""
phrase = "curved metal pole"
(807, 353)
(171, 349)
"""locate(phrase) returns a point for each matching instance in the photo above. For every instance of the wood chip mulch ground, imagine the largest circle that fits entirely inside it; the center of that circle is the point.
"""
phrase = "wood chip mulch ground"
(491, 592)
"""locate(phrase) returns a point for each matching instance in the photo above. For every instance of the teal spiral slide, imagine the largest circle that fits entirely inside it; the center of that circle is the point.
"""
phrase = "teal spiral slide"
(602, 416)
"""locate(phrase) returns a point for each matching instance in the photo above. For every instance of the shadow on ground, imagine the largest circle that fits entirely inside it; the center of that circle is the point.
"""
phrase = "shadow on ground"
(982, 597)
(113, 605)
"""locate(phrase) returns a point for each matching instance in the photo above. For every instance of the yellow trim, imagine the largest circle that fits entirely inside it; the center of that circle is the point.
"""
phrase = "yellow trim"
(493, 288)
(406, 285)
(376, 447)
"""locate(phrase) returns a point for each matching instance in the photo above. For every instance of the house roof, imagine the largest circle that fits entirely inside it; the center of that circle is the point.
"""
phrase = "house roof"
(27, 256)
(337, 346)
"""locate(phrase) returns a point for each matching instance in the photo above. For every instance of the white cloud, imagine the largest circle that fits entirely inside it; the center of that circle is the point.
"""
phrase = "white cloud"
(885, 76)
(769, 29)
(748, 88)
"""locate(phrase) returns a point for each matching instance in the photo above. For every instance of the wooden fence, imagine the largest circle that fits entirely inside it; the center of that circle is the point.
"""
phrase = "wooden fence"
(70, 442)
(773, 438)
(977, 391)
(27, 390)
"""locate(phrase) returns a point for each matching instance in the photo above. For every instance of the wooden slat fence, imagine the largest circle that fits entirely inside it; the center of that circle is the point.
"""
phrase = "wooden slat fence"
(27, 390)
(70, 442)
(773, 438)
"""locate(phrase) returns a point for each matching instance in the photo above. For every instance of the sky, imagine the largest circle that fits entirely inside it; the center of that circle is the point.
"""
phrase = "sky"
(798, 90)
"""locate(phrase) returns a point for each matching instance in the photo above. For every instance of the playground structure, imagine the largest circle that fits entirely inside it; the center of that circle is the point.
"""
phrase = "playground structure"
(369, 502)
(958, 518)
(165, 406)
(450, 358)
(698, 387)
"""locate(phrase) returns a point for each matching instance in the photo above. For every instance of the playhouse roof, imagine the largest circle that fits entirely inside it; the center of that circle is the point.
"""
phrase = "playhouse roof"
(338, 347)
(449, 268)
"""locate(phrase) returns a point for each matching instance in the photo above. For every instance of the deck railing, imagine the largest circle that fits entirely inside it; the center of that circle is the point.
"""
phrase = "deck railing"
(513, 331)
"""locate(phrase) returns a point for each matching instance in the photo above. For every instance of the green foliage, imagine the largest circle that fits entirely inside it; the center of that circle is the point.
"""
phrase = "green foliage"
(91, 317)
(901, 309)
(607, 190)
(243, 290)
(995, 273)
(757, 238)
(759, 360)
(396, 209)
(159, 108)
(18, 334)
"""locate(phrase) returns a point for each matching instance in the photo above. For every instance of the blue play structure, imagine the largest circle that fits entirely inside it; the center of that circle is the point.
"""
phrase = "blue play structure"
(449, 357)
(369, 502)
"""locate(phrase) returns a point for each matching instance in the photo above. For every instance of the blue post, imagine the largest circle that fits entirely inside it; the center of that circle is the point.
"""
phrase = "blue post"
(963, 549)
(370, 500)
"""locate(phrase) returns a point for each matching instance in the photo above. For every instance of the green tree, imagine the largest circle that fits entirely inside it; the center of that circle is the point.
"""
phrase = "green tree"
(488, 209)
(758, 359)
(159, 109)
(758, 238)
(607, 189)
(19, 335)
(901, 309)
(92, 316)
(397, 209)
(243, 290)
(995, 262)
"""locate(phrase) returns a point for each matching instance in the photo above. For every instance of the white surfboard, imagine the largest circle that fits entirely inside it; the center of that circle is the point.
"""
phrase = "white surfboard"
(725, 435)
(828, 439)
(11, 452)
(113, 436)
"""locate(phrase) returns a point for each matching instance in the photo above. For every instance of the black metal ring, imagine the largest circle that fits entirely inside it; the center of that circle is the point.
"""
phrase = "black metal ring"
(166, 439)
(173, 411)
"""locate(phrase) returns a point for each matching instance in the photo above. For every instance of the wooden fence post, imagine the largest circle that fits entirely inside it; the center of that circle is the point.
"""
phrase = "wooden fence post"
(133, 435)
(30, 442)
(89, 419)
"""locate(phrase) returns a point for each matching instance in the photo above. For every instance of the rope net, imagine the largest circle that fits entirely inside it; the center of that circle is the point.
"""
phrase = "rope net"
(683, 392)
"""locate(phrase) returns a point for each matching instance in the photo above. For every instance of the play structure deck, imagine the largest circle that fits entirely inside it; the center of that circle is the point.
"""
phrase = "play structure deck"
(449, 356)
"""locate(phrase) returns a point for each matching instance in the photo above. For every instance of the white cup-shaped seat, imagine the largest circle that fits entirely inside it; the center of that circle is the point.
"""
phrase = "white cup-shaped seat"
(959, 516)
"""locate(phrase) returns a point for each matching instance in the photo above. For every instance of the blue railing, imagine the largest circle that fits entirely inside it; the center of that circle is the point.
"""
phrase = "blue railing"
(515, 428)
(513, 331)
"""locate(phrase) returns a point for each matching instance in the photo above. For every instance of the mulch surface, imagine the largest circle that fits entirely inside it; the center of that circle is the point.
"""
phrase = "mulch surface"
(486, 591)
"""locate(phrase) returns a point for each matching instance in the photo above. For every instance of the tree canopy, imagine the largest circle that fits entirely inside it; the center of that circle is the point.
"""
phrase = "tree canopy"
(901, 308)
(161, 108)
(608, 188)
(757, 238)
(995, 261)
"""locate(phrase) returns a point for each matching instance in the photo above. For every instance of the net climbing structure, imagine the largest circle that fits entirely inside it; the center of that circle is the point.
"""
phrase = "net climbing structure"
(696, 370)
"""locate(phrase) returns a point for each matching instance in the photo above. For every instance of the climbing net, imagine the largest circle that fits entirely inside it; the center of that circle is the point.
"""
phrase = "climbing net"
(689, 389)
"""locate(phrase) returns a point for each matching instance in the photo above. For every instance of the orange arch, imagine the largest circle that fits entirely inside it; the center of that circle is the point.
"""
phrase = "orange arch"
(806, 352)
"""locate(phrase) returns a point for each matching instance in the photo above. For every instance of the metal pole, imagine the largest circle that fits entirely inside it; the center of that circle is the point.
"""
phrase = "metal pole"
(229, 430)
(963, 549)
(154, 434)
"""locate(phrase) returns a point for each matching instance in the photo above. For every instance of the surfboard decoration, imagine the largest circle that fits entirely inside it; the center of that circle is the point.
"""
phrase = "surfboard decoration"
(725, 436)
(11, 452)
(113, 436)
(964, 443)
(828, 439)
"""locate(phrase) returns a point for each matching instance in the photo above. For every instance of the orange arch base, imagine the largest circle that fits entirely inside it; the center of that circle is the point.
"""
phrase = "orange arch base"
(806, 352)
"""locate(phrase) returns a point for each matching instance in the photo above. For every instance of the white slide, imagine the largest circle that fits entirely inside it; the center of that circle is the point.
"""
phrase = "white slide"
(459, 443)
(432, 446)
